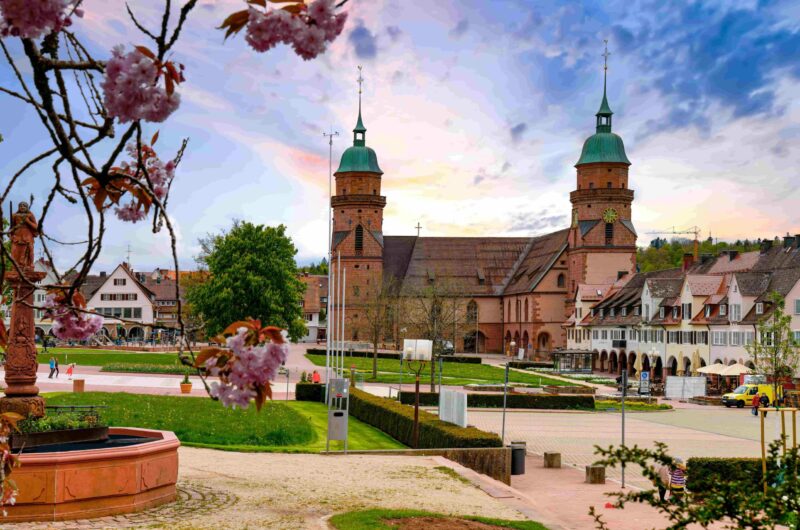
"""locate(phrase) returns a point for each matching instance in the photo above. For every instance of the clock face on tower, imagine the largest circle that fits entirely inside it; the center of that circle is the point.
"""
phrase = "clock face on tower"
(610, 215)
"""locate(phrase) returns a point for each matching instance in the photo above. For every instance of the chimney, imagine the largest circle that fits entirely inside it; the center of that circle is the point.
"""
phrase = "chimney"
(788, 241)
(731, 254)
(621, 274)
(688, 260)
(706, 257)
(766, 244)
(102, 274)
(797, 240)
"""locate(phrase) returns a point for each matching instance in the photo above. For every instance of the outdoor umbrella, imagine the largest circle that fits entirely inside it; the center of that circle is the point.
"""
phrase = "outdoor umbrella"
(715, 368)
(735, 370)
(681, 364)
(638, 365)
(695, 362)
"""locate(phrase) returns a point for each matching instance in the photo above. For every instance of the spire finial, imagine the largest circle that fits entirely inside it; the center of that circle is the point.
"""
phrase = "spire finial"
(606, 53)
(604, 114)
(359, 132)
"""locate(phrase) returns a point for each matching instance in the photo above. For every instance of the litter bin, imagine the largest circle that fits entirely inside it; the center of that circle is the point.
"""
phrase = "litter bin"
(518, 452)
(78, 385)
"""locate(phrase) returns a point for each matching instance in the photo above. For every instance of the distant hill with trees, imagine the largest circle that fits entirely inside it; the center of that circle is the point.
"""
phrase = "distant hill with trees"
(315, 268)
(663, 254)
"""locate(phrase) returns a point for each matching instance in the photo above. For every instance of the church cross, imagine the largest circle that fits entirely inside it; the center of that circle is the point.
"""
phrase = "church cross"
(360, 82)
(605, 55)
(418, 227)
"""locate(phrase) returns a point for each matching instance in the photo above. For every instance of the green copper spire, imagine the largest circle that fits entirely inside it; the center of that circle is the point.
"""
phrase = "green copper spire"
(604, 146)
(359, 157)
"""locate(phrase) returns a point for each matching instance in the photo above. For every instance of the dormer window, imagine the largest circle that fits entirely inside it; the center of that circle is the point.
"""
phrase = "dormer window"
(723, 309)
(636, 311)
(708, 311)
(624, 311)
(759, 308)
(675, 312)
(611, 312)
(601, 312)
(660, 312)
(591, 312)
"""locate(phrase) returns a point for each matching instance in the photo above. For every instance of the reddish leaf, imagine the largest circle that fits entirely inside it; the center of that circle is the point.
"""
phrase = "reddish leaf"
(11, 418)
(273, 333)
(173, 73)
(170, 85)
(281, 1)
(154, 139)
(78, 300)
(146, 52)
(206, 354)
(261, 3)
(234, 328)
(295, 9)
(3, 335)
(235, 22)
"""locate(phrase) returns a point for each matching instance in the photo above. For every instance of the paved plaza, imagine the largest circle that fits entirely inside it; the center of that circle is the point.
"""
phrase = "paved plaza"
(707, 431)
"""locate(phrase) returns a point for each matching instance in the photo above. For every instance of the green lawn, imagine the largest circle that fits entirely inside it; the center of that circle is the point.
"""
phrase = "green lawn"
(630, 406)
(452, 373)
(281, 426)
(102, 358)
(139, 368)
(375, 520)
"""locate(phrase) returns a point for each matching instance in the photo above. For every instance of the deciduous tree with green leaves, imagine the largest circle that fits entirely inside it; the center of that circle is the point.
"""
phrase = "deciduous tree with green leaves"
(251, 274)
(774, 350)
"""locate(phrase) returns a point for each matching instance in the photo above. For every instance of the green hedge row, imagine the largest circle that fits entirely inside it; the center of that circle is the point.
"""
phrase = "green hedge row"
(704, 474)
(514, 401)
(147, 368)
(397, 421)
(396, 356)
(309, 392)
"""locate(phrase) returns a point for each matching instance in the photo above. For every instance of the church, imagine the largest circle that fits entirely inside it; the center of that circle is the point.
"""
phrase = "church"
(515, 289)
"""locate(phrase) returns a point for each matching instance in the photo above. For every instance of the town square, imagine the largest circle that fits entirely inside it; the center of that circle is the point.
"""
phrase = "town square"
(350, 265)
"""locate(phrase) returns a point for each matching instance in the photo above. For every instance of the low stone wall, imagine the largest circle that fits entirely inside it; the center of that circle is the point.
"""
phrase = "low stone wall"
(494, 462)
(569, 389)
(707, 400)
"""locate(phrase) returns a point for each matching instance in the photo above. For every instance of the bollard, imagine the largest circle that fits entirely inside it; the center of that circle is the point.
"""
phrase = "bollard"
(552, 460)
(518, 453)
(78, 385)
(595, 474)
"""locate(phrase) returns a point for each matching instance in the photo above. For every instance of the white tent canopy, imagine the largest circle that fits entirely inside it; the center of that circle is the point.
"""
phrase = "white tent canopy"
(735, 369)
(715, 368)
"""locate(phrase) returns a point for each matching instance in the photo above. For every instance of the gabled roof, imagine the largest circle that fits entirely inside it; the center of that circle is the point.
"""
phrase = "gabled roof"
(752, 283)
(541, 254)
(592, 292)
(703, 284)
(665, 287)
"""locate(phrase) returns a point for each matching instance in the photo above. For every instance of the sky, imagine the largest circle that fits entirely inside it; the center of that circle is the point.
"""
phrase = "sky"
(477, 111)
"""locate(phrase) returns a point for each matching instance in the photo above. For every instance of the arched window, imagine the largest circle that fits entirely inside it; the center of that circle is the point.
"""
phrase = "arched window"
(359, 239)
(561, 281)
(526, 311)
(472, 312)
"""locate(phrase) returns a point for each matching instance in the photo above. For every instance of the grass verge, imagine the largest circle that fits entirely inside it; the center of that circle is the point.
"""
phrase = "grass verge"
(452, 373)
(82, 358)
(376, 520)
(281, 426)
(138, 368)
(632, 406)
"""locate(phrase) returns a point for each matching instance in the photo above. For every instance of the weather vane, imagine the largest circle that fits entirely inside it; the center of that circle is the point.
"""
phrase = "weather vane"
(605, 55)
(360, 82)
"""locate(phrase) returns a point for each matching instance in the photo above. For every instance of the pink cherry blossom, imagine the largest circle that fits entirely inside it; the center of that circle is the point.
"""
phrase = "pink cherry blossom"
(159, 173)
(131, 90)
(31, 19)
(308, 34)
(69, 324)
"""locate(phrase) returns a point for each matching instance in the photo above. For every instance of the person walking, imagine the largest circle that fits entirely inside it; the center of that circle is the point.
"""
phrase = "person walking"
(677, 480)
(315, 377)
(52, 367)
(764, 402)
(663, 482)
(56, 359)
(70, 368)
(755, 403)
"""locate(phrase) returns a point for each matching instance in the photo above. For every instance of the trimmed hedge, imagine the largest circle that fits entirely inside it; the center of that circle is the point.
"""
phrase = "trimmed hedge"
(309, 392)
(523, 365)
(514, 401)
(397, 421)
(705, 474)
(396, 356)
(147, 368)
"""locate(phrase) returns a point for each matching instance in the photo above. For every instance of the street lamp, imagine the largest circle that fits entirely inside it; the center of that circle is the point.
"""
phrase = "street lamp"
(417, 354)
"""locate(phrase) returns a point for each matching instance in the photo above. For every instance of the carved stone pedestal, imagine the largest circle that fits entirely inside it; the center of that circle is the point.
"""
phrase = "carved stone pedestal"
(24, 406)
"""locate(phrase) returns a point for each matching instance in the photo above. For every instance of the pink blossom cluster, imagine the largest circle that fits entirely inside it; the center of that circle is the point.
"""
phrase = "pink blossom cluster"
(160, 174)
(131, 91)
(31, 19)
(69, 324)
(308, 34)
(252, 367)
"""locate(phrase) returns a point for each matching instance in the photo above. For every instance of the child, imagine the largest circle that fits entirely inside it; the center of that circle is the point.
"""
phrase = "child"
(70, 368)
(756, 401)
(677, 480)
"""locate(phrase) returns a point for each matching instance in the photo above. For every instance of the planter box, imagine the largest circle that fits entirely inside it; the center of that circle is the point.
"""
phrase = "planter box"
(35, 439)
(570, 389)
(186, 388)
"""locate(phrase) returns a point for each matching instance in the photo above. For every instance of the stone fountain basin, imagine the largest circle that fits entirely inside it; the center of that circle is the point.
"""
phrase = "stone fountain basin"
(135, 469)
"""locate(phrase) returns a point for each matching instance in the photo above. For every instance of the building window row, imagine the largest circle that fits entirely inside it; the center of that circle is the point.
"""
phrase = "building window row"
(120, 312)
(118, 297)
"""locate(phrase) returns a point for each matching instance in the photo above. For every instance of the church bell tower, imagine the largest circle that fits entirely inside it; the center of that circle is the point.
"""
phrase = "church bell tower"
(602, 239)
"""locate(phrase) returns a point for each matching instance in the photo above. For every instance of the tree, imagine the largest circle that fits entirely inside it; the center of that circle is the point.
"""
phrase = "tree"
(320, 268)
(251, 273)
(377, 312)
(433, 312)
(774, 350)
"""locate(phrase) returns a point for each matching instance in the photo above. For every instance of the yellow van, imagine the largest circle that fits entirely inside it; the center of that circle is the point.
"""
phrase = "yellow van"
(743, 395)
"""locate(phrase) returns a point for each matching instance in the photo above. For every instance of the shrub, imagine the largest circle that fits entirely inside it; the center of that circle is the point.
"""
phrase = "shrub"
(523, 365)
(396, 356)
(144, 368)
(309, 392)
(705, 474)
(61, 422)
(397, 421)
(514, 401)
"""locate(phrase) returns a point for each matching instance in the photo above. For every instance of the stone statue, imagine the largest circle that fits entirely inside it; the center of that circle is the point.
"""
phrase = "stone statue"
(23, 232)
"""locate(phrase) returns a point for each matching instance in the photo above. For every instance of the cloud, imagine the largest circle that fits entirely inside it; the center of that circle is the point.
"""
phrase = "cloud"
(536, 222)
(506, 166)
(394, 32)
(363, 42)
(460, 28)
(517, 131)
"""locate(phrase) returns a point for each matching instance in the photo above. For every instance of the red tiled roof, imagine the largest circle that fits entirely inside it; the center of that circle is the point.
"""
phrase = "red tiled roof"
(703, 284)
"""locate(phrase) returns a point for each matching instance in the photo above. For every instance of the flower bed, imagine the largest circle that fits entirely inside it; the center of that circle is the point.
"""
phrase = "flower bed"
(396, 356)
(513, 401)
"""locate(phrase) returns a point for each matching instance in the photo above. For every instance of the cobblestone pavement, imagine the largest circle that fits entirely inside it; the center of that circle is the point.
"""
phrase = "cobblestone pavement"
(687, 432)
(194, 501)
